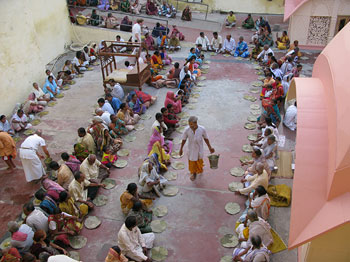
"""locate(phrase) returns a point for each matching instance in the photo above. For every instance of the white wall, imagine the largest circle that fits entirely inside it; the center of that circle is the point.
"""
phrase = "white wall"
(299, 21)
(33, 32)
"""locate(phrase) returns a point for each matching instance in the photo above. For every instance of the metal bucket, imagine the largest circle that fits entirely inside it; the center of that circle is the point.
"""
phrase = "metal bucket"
(214, 161)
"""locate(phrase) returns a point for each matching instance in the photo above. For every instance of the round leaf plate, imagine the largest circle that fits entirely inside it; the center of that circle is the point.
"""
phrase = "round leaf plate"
(258, 67)
(226, 259)
(257, 84)
(159, 253)
(178, 165)
(226, 55)
(123, 152)
(201, 78)
(109, 183)
(175, 155)
(43, 113)
(232, 208)
(255, 106)
(100, 200)
(145, 116)
(207, 62)
(183, 115)
(77, 242)
(121, 163)
(158, 226)
(92, 222)
(66, 88)
(250, 126)
(249, 98)
(205, 66)
(36, 122)
(71, 82)
(170, 191)
(252, 118)
(245, 159)
(180, 129)
(6, 243)
(191, 107)
(61, 95)
(74, 255)
(235, 186)
(130, 138)
(252, 137)
(170, 175)
(229, 240)
(51, 104)
(183, 123)
(195, 95)
(254, 90)
(29, 132)
(259, 73)
(237, 171)
(200, 84)
(261, 78)
(139, 127)
(160, 211)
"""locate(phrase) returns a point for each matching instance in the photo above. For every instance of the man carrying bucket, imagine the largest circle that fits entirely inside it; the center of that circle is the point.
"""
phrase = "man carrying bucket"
(195, 135)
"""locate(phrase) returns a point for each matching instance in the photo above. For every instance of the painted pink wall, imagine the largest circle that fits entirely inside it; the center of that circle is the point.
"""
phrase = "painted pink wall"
(291, 6)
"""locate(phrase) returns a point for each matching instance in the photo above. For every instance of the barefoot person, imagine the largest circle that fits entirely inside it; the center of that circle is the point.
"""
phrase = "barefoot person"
(195, 135)
(7, 149)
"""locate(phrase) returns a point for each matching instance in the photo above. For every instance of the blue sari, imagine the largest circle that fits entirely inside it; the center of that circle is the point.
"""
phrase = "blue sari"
(53, 86)
(242, 47)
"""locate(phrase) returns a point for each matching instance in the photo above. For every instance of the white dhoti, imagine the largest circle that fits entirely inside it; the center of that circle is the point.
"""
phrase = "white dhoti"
(32, 166)
(239, 231)
(148, 240)
(20, 126)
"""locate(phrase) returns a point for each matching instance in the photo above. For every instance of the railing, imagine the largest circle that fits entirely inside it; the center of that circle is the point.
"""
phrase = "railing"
(133, 19)
(194, 3)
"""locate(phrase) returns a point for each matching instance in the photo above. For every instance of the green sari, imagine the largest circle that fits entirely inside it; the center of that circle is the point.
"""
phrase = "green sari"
(125, 6)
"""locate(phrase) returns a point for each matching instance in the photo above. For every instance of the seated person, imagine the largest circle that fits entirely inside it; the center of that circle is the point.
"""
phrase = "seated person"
(269, 148)
(136, 7)
(229, 45)
(64, 174)
(70, 69)
(276, 71)
(216, 42)
(127, 115)
(114, 102)
(282, 42)
(51, 88)
(149, 41)
(105, 117)
(251, 182)
(230, 20)
(31, 106)
(115, 89)
(174, 72)
(111, 21)
(82, 191)
(42, 243)
(290, 118)
(5, 126)
(131, 196)
(128, 66)
(67, 205)
(104, 5)
(21, 236)
(48, 200)
(174, 43)
(40, 97)
(163, 9)
(171, 123)
(255, 226)
(79, 61)
(294, 45)
(177, 33)
(260, 202)
(296, 70)
(266, 39)
(151, 8)
(90, 167)
(150, 179)
(126, 24)
(88, 56)
(175, 102)
(35, 218)
(162, 40)
(134, 244)
(256, 252)
(125, 6)
(165, 58)
(248, 23)
(86, 140)
(95, 19)
(105, 106)
(119, 49)
(137, 106)
(263, 56)
(186, 14)
(157, 62)
(115, 255)
(143, 218)
(260, 22)
(256, 50)
(20, 121)
(117, 127)
(242, 48)
(108, 158)
(203, 40)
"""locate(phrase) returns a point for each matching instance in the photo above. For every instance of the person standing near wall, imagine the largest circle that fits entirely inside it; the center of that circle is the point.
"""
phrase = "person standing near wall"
(195, 134)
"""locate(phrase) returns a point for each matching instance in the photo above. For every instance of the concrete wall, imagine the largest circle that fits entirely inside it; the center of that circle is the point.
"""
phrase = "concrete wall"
(239, 6)
(300, 21)
(332, 246)
(33, 32)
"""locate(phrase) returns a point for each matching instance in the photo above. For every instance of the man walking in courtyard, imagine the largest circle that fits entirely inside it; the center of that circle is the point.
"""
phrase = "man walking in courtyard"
(195, 134)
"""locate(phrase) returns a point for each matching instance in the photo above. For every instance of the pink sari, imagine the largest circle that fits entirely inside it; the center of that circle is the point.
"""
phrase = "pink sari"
(170, 99)
(157, 136)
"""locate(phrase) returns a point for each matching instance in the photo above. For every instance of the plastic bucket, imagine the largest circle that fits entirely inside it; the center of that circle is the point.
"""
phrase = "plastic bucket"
(214, 161)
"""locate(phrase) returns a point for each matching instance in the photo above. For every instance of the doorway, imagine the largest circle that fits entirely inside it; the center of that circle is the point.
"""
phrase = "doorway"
(341, 22)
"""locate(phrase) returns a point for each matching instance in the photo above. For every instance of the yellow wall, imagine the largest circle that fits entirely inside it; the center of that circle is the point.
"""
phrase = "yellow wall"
(32, 33)
(239, 6)
(332, 246)
(299, 21)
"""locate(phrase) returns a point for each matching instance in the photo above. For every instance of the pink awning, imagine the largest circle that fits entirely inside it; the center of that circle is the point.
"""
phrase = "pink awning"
(291, 6)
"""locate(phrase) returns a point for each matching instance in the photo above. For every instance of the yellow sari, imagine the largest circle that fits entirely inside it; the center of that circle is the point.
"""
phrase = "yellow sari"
(162, 155)
(282, 44)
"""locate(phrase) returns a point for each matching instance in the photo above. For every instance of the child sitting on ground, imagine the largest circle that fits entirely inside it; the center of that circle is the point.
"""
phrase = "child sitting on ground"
(108, 159)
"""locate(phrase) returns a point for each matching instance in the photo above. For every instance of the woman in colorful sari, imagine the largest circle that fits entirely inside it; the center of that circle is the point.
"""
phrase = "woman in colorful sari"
(96, 130)
(125, 6)
(31, 106)
(67, 205)
(193, 68)
(115, 255)
(50, 87)
(136, 105)
(80, 152)
(162, 40)
(174, 101)
(150, 179)
(248, 23)
(104, 5)
(151, 8)
(165, 58)
(157, 60)
(115, 5)
(10, 255)
(149, 41)
(114, 144)
(127, 115)
(117, 127)
(43, 244)
(242, 48)
(159, 146)
(186, 14)
(283, 42)
(177, 33)
(130, 196)
(61, 225)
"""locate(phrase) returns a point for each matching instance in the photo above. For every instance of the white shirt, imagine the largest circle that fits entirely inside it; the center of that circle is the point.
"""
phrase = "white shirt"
(37, 220)
(61, 258)
(229, 45)
(156, 124)
(136, 29)
(90, 171)
(118, 91)
(290, 118)
(33, 142)
(75, 61)
(130, 241)
(17, 118)
(265, 54)
(195, 142)
(38, 93)
(277, 73)
(25, 245)
(106, 117)
(107, 107)
(204, 41)
(215, 42)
